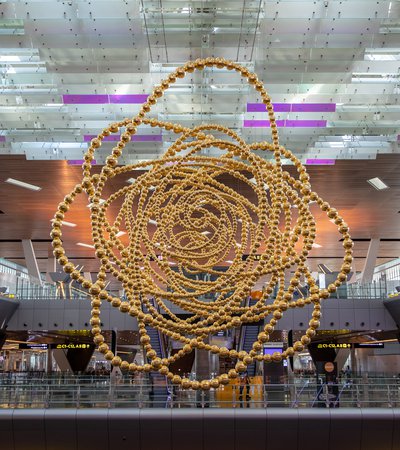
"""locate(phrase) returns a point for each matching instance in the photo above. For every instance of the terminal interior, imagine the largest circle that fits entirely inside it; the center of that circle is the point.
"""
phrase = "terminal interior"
(69, 70)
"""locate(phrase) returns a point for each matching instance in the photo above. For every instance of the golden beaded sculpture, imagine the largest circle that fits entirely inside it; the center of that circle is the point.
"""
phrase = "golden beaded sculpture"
(198, 219)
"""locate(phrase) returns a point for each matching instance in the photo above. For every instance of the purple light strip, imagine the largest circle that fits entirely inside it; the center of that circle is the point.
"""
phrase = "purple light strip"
(2, 139)
(305, 123)
(93, 99)
(135, 138)
(261, 123)
(293, 107)
(286, 123)
(78, 162)
(320, 162)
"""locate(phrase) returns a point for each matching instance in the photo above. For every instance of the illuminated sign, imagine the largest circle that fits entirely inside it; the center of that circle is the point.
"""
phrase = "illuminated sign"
(369, 345)
(33, 346)
(332, 345)
(76, 332)
(324, 345)
(38, 346)
(324, 332)
(70, 346)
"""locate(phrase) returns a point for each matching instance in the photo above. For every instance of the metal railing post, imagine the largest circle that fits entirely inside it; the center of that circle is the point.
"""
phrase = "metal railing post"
(78, 397)
(389, 397)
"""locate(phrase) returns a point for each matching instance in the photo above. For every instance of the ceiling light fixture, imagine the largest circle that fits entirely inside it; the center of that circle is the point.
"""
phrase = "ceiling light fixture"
(316, 245)
(101, 201)
(85, 245)
(120, 233)
(22, 184)
(9, 58)
(377, 183)
(67, 224)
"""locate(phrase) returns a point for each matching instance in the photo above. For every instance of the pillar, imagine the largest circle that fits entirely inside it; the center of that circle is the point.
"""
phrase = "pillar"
(370, 262)
(31, 262)
(51, 265)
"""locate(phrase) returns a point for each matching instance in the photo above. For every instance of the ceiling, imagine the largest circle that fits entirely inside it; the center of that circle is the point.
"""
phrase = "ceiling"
(69, 68)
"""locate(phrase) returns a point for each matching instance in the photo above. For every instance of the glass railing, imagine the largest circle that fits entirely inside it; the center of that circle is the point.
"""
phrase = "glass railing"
(26, 290)
(374, 290)
(100, 392)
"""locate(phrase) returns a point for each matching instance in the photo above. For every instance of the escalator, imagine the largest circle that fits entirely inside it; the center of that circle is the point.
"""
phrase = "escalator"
(248, 335)
(159, 392)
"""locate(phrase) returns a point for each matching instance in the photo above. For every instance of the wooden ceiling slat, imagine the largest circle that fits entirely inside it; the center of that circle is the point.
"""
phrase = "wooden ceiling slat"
(369, 213)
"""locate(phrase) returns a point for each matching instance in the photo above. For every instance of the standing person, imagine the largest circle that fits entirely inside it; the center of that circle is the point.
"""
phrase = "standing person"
(347, 374)
(244, 381)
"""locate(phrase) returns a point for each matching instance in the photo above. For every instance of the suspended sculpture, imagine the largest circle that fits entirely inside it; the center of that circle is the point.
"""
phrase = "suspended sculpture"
(182, 218)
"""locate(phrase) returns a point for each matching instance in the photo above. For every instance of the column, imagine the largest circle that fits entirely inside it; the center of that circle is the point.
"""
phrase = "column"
(370, 262)
(51, 264)
(30, 260)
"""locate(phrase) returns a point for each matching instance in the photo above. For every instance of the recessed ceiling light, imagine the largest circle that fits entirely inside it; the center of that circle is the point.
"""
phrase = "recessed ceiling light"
(153, 222)
(67, 224)
(229, 261)
(85, 245)
(101, 201)
(205, 233)
(10, 58)
(131, 180)
(377, 183)
(120, 233)
(316, 245)
(18, 183)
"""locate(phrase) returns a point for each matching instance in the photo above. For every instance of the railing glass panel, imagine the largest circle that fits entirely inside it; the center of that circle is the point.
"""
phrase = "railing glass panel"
(102, 392)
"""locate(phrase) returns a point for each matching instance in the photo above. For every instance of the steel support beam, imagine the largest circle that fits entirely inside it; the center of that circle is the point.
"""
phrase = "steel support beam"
(370, 262)
(30, 260)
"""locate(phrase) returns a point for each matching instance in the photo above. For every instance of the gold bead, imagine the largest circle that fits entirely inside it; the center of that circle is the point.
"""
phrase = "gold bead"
(185, 189)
